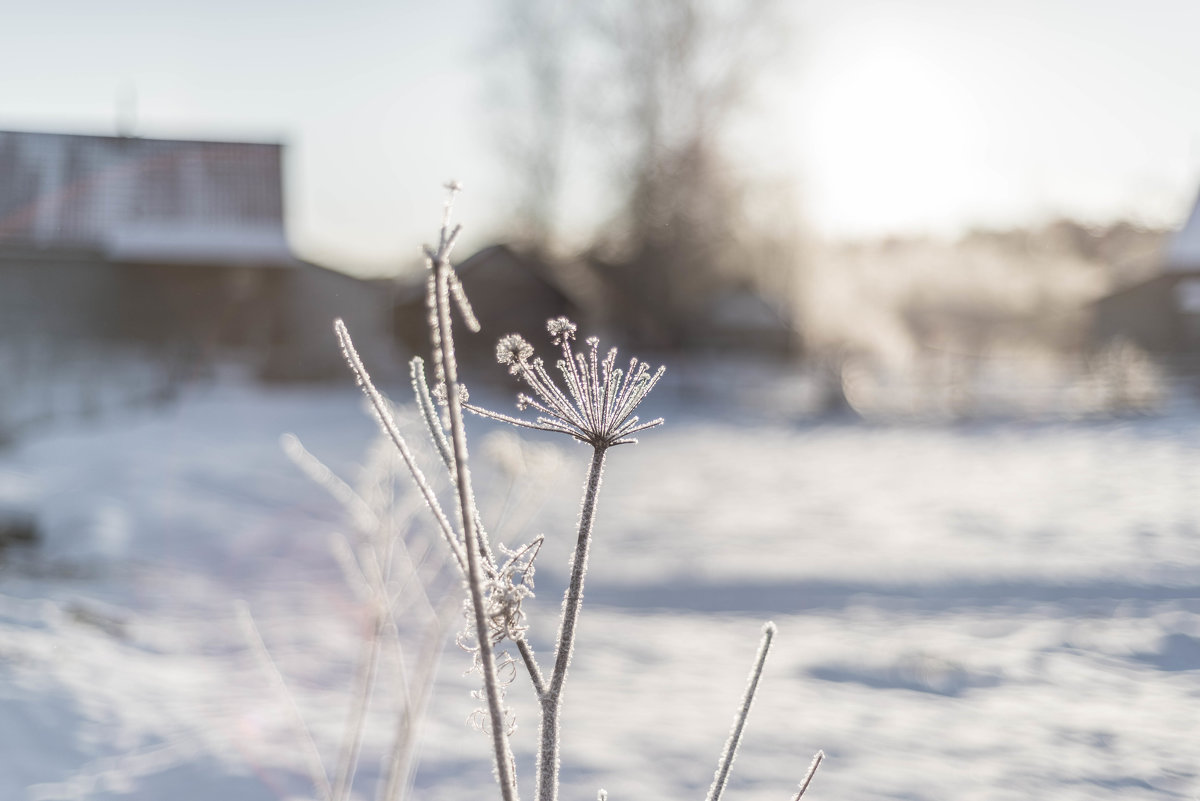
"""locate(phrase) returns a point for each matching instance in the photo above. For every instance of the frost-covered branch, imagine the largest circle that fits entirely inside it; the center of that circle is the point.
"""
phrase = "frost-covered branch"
(739, 722)
(429, 411)
(312, 755)
(383, 414)
(817, 759)
(596, 407)
(445, 283)
(593, 401)
(532, 667)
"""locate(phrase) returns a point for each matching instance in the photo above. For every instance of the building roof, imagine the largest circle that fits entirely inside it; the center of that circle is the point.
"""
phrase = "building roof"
(152, 200)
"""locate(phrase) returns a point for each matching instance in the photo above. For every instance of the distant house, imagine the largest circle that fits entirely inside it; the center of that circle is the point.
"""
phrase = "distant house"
(173, 245)
(305, 348)
(742, 318)
(730, 316)
(516, 290)
(510, 290)
(1160, 313)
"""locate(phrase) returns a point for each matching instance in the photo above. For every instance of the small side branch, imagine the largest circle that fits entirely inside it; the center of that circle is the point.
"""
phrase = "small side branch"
(531, 667)
(739, 722)
(429, 411)
(817, 759)
(364, 683)
(312, 756)
(384, 416)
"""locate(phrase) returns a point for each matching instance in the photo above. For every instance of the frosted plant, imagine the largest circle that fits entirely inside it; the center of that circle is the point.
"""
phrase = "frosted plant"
(729, 753)
(511, 585)
(597, 406)
(472, 552)
(594, 404)
(400, 578)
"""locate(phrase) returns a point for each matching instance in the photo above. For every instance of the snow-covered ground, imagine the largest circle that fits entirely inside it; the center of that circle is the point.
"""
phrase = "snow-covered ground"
(1001, 610)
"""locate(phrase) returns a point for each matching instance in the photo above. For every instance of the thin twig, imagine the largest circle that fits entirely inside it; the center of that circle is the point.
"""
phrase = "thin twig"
(369, 572)
(466, 500)
(739, 722)
(361, 513)
(364, 683)
(531, 667)
(343, 554)
(808, 777)
(400, 762)
(312, 756)
(388, 423)
(429, 411)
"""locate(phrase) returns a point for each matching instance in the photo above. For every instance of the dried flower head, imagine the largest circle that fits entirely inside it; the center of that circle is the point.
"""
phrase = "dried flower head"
(598, 403)
(505, 587)
(439, 393)
(561, 329)
(512, 584)
(513, 351)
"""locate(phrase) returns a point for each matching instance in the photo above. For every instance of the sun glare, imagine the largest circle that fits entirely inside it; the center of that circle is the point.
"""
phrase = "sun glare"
(891, 137)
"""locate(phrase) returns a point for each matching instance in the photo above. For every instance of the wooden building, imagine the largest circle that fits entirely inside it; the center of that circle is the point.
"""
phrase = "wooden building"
(178, 246)
(510, 290)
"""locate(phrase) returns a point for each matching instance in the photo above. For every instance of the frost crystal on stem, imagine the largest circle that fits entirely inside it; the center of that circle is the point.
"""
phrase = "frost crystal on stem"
(598, 403)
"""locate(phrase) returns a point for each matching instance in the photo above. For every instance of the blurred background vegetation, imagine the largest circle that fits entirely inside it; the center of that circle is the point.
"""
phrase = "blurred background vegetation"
(919, 191)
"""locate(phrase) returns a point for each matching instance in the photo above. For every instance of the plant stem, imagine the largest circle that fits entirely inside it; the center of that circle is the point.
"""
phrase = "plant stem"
(531, 665)
(739, 722)
(400, 762)
(548, 764)
(364, 683)
(808, 777)
(312, 755)
(384, 415)
(466, 499)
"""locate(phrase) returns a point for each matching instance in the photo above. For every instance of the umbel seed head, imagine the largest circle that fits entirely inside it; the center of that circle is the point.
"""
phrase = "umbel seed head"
(513, 351)
(561, 329)
(597, 400)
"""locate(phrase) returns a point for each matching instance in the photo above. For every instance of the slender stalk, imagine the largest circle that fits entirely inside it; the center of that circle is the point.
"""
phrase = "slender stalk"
(312, 755)
(466, 499)
(364, 683)
(384, 415)
(429, 411)
(399, 763)
(548, 760)
(739, 721)
(808, 777)
(531, 665)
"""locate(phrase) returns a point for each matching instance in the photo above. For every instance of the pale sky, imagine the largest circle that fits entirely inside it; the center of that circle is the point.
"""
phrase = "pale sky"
(893, 115)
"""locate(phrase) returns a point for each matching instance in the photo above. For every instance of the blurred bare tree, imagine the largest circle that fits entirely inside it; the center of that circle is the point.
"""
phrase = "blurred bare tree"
(534, 37)
(660, 86)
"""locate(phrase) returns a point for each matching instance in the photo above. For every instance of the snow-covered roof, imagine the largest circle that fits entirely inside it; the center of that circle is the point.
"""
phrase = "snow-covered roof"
(144, 199)
(1183, 252)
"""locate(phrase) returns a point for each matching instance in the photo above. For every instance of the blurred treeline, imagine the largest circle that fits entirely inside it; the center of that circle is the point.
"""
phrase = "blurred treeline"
(1013, 292)
(658, 97)
(653, 96)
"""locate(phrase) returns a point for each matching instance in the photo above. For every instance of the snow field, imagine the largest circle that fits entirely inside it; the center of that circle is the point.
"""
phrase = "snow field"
(990, 611)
